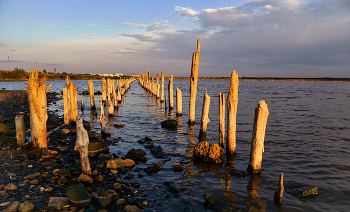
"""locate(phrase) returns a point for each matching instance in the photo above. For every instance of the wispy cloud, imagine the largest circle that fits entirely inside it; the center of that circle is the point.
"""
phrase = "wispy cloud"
(138, 36)
(90, 34)
(92, 24)
(151, 27)
(185, 11)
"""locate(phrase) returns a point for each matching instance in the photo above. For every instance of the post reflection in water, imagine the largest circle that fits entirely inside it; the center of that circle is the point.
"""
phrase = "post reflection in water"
(255, 203)
(93, 115)
(171, 114)
(192, 138)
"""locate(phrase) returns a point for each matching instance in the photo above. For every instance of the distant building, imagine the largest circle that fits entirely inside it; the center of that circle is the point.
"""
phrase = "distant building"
(110, 75)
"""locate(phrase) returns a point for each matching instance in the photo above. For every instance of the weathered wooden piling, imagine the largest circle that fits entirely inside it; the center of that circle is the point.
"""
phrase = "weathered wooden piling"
(162, 87)
(279, 191)
(20, 130)
(157, 86)
(257, 144)
(102, 119)
(82, 105)
(66, 108)
(232, 101)
(92, 94)
(81, 145)
(72, 100)
(103, 82)
(222, 119)
(205, 119)
(193, 84)
(171, 93)
(115, 101)
(38, 108)
(178, 102)
(110, 107)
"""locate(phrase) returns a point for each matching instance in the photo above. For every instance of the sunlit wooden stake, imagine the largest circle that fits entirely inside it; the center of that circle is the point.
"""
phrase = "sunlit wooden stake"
(279, 191)
(103, 82)
(205, 120)
(92, 94)
(38, 108)
(193, 84)
(162, 87)
(20, 130)
(66, 109)
(222, 119)
(258, 137)
(102, 119)
(81, 145)
(171, 93)
(178, 102)
(232, 101)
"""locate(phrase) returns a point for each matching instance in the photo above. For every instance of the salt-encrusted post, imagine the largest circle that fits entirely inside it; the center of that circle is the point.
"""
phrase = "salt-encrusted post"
(258, 137)
(279, 191)
(92, 94)
(102, 119)
(73, 100)
(193, 84)
(157, 86)
(205, 112)
(103, 82)
(81, 145)
(178, 102)
(66, 108)
(222, 119)
(20, 130)
(110, 107)
(171, 93)
(115, 101)
(232, 101)
(38, 108)
(162, 87)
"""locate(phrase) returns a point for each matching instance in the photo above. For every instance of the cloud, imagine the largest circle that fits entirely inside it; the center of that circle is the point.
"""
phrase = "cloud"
(185, 12)
(92, 24)
(150, 27)
(90, 34)
(138, 36)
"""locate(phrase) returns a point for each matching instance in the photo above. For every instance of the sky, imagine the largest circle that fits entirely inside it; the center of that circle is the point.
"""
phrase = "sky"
(257, 38)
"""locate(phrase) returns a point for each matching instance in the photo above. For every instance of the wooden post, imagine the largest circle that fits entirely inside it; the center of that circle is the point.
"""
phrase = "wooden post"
(115, 101)
(66, 107)
(103, 82)
(20, 130)
(102, 119)
(38, 108)
(110, 107)
(232, 101)
(222, 119)
(82, 105)
(119, 95)
(162, 87)
(81, 145)
(73, 100)
(171, 93)
(92, 95)
(205, 120)
(178, 102)
(279, 191)
(257, 145)
(157, 86)
(193, 84)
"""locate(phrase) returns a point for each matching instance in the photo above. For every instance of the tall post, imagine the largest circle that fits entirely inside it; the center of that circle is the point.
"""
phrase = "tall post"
(162, 87)
(102, 119)
(232, 101)
(205, 120)
(72, 99)
(20, 130)
(193, 84)
(171, 93)
(103, 82)
(222, 119)
(258, 137)
(279, 191)
(92, 94)
(81, 145)
(66, 108)
(178, 102)
(38, 108)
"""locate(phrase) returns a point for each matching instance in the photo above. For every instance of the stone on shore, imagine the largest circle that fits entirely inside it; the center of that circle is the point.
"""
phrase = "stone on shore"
(10, 187)
(208, 152)
(97, 148)
(78, 195)
(119, 163)
(62, 172)
(104, 197)
(219, 205)
(58, 201)
(26, 207)
(5, 130)
(32, 176)
(4, 139)
(136, 154)
(132, 208)
(85, 178)
(13, 207)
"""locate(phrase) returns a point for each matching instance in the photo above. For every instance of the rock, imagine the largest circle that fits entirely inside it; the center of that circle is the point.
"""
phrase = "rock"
(113, 171)
(99, 166)
(169, 124)
(5, 204)
(171, 187)
(141, 141)
(93, 135)
(65, 131)
(12, 207)
(34, 153)
(104, 197)
(188, 209)
(3, 193)
(208, 152)
(178, 168)
(97, 148)
(119, 163)
(23, 156)
(121, 202)
(85, 92)
(117, 186)
(132, 208)
(302, 191)
(160, 163)
(119, 125)
(104, 157)
(58, 201)
(63, 172)
(136, 154)
(5, 130)
(152, 169)
(157, 151)
(10, 187)
(85, 178)
(148, 139)
(32, 176)
(4, 139)
(76, 169)
(34, 182)
(49, 189)
(99, 178)
(98, 93)
(221, 206)
(149, 146)
(62, 180)
(78, 195)
(26, 207)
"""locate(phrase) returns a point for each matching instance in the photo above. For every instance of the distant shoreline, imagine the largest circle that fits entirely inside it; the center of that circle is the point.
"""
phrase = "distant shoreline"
(271, 79)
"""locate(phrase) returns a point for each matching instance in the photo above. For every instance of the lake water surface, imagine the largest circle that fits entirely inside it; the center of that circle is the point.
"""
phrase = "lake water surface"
(307, 139)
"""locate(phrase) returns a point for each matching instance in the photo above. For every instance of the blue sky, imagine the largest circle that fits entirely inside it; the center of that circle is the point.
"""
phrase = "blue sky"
(257, 38)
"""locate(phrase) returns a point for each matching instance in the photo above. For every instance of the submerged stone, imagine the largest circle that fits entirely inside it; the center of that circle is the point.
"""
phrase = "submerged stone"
(170, 186)
(302, 191)
(169, 124)
(78, 195)
(136, 154)
(221, 206)
(97, 148)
